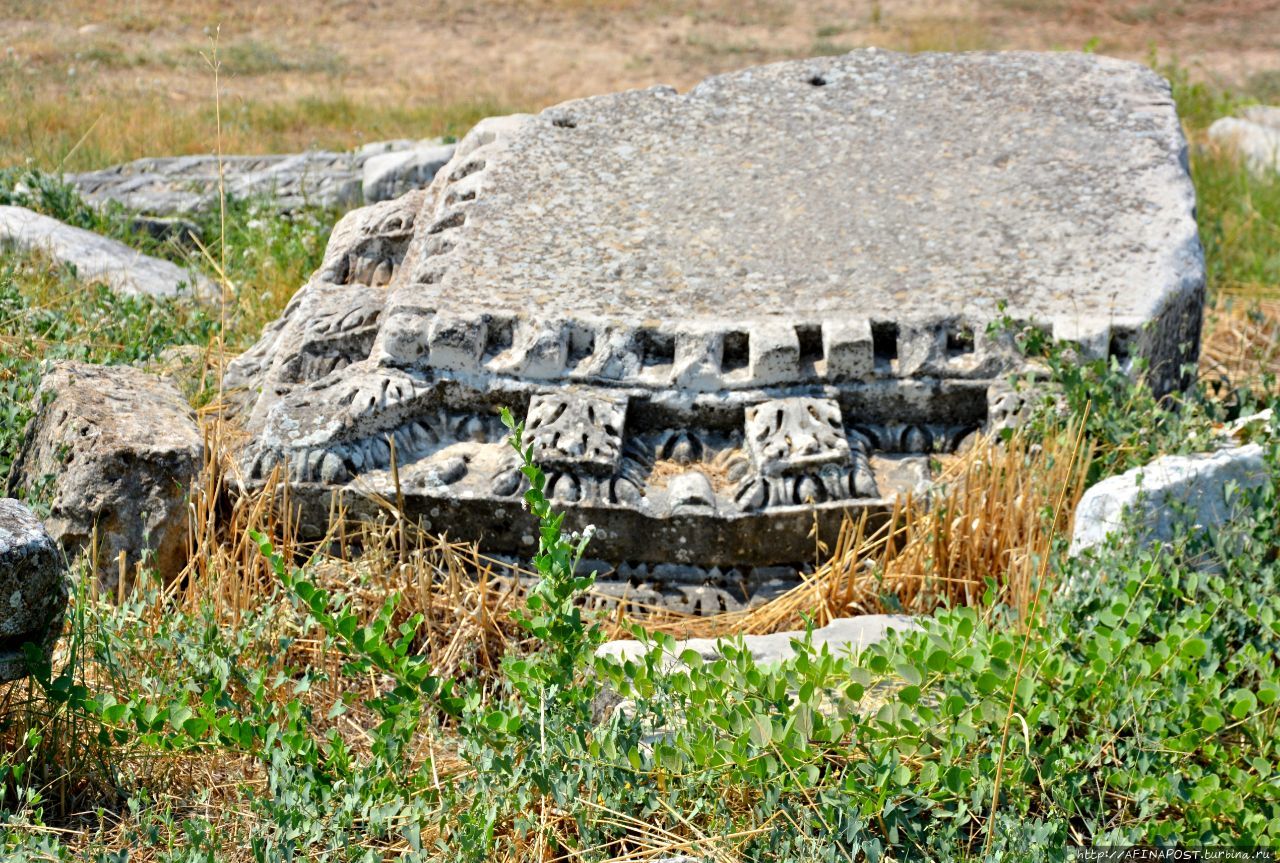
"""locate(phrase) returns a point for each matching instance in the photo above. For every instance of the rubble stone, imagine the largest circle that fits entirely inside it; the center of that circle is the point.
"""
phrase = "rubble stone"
(846, 633)
(116, 450)
(98, 258)
(182, 185)
(1148, 502)
(33, 588)
(1254, 137)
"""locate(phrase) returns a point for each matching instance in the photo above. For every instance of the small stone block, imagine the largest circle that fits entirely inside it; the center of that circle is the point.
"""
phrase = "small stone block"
(697, 363)
(921, 348)
(848, 348)
(540, 350)
(774, 354)
(456, 343)
(1091, 334)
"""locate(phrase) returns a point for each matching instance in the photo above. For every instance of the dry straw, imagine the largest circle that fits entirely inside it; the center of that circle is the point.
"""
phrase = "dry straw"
(990, 516)
(1242, 341)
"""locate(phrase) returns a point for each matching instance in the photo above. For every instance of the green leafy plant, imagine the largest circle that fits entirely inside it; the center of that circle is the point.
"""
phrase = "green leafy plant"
(1125, 421)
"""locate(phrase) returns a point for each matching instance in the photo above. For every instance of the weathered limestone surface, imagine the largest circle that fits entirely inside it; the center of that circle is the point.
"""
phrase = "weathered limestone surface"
(187, 184)
(33, 588)
(1254, 136)
(118, 449)
(98, 258)
(840, 636)
(333, 319)
(846, 633)
(733, 314)
(389, 175)
(1148, 502)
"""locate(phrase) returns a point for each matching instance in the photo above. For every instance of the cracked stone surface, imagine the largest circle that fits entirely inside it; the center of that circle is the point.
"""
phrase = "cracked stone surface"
(736, 314)
(33, 588)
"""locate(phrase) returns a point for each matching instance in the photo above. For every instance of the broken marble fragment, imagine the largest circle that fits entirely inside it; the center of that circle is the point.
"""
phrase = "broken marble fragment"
(97, 258)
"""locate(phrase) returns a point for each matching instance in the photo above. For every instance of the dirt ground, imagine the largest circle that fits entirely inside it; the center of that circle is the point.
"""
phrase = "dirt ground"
(80, 62)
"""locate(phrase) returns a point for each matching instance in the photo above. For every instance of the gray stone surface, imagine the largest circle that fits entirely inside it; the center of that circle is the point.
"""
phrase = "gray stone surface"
(944, 184)
(845, 633)
(732, 315)
(332, 321)
(1254, 136)
(187, 184)
(386, 176)
(33, 588)
(117, 449)
(1149, 502)
(98, 258)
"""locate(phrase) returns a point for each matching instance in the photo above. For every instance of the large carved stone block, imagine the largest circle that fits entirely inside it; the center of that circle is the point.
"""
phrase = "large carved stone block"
(734, 313)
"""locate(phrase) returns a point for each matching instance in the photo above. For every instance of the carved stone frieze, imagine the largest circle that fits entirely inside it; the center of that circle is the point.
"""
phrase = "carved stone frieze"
(902, 437)
(712, 365)
(332, 322)
(823, 483)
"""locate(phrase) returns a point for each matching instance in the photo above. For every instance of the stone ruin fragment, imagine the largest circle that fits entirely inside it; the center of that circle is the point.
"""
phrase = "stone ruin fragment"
(734, 314)
(184, 185)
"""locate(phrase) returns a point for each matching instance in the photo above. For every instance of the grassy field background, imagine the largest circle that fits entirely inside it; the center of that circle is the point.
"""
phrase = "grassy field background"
(101, 81)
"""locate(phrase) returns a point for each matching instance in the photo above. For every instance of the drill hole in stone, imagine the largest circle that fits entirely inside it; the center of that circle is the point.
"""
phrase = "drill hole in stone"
(960, 341)
(454, 220)
(466, 170)
(564, 122)
(812, 360)
(736, 354)
(817, 81)
(457, 197)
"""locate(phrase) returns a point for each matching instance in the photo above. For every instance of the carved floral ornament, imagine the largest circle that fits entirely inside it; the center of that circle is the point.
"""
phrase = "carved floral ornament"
(792, 451)
(716, 379)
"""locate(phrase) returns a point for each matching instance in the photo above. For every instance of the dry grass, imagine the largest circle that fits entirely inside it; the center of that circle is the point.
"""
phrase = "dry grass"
(985, 520)
(91, 130)
(1241, 344)
(103, 82)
